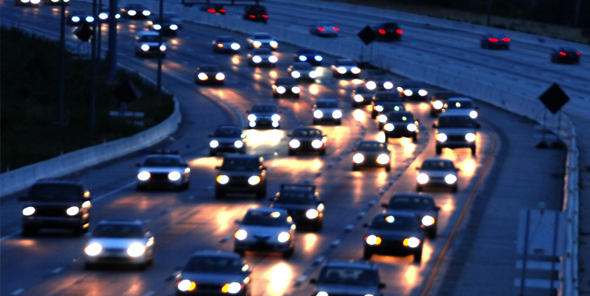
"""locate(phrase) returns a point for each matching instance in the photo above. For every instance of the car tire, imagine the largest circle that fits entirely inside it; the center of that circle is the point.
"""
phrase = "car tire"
(367, 254)
(291, 152)
(373, 114)
(355, 168)
(315, 122)
(240, 252)
(212, 153)
(338, 122)
(414, 138)
(288, 254)
(219, 194)
(432, 233)
(79, 231)
(141, 187)
(323, 152)
(29, 230)
(438, 150)
(276, 96)
(432, 114)
(473, 150)
(88, 266)
(388, 168)
(418, 257)
(455, 188)
(419, 188)
(261, 194)
(317, 226)
(297, 96)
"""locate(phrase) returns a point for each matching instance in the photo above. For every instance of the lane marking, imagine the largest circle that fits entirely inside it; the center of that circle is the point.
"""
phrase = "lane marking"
(16, 292)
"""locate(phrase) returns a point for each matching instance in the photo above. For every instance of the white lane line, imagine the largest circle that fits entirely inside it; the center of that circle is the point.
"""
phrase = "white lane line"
(114, 191)
(10, 235)
(16, 292)
(150, 293)
(57, 270)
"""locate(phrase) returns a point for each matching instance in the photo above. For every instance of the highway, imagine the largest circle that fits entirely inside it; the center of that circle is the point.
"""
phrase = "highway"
(183, 222)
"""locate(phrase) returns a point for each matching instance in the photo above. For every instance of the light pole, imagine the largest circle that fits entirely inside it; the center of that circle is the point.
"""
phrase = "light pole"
(93, 46)
(489, 22)
(112, 52)
(160, 53)
(62, 67)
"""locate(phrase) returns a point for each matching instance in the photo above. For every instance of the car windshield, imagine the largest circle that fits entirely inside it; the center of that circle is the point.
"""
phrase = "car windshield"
(410, 203)
(302, 66)
(456, 121)
(395, 107)
(306, 51)
(135, 6)
(437, 165)
(460, 104)
(327, 104)
(371, 146)
(387, 96)
(262, 36)
(348, 276)
(391, 222)
(149, 38)
(296, 197)
(566, 49)
(163, 161)
(55, 193)
(412, 83)
(264, 51)
(228, 131)
(241, 164)
(225, 39)
(77, 12)
(118, 231)
(265, 219)
(285, 80)
(209, 68)
(400, 117)
(345, 62)
(207, 264)
(306, 133)
(264, 109)
(256, 9)
(389, 26)
(362, 89)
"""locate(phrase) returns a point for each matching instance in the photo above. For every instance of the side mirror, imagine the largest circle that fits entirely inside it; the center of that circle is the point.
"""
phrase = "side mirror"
(217, 167)
(248, 111)
(262, 167)
(313, 281)
(237, 221)
(384, 205)
(417, 168)
(456, 169)
(437, 208)
(289, 135)
(381, 285)
(434, 125)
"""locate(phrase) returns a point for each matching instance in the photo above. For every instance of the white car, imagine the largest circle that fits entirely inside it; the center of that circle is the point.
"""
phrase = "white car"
(345, 67)
(147, 43)
(460, 106)
(437, 172)
(163, 169)
(262, 40)
(265, 230)
(327, 110)
(120, 241)
(303, 71)
(262, 56)
(324, 29)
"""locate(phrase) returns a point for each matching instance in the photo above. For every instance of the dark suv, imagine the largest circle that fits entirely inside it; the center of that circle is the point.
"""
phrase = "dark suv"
(241, 174)
(56, 203)
(352, 278)
(255, 13)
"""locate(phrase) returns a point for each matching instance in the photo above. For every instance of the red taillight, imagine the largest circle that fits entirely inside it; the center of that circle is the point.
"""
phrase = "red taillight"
(211, 10)
(222, 10)
(562, 53)
(399, 31)
(381, 31)
(251, 16)
(506, 39)
(265, 16)
(577, 53)
(493, 39)
(321, 29)
(335, 28)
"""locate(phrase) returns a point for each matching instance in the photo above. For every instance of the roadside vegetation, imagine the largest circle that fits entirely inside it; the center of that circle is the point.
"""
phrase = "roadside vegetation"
(29, 101)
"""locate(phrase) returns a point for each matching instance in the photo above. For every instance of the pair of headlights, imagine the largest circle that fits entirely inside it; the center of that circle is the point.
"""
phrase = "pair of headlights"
(224, 179)
(172, 27)
(390, 127)
(238, 144)
(294, 89)
(134, 250)
(336, 114)
(189, 286)
(469, 137)
(146, 47)
(283, 237)
(258, 59)
(297, 74)
(258, 44)
(353, 70)
(316, 144)
(423, 178)
(381, 159)
(172, 176)
(274, 117)
(203, 76)
(374, 240)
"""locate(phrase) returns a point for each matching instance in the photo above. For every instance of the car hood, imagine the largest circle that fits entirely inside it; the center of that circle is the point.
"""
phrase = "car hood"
(343, 289)
(373, 153)
(327, 110)
(438, 173)
(264, 231)
(293, 206)
(395, 234)
(213, 278)
(226, 139)
(160, 169)
(106, 242)
(458, 111)
(152, 43)
(456, 131)
(238, 173)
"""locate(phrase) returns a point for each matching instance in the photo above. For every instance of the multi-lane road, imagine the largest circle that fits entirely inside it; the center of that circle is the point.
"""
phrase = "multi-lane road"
(183, 222)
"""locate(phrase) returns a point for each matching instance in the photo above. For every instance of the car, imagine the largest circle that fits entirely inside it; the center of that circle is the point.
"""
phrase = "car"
(371, 154)
(307, 139)
(262, 56)
(214, 273)
(413, 89)
(55, 2)
(256, 13)
(214, 8)
(495, 40)
(324, 29)
(361, 96)
(104, 14)
(437, 172)
(394, 233)
(401, 124)
(388, 32)
(381, 98)
(120, 242)
(378, 80)
(262, 40)
(438, 100)
(163, 168)
(265, 230)
(302, 203)
(264, 115)
(308, 55)
(241, 173)
(56, 204)
(166, 25)
(327, 110)
(227, 138)
(209, 74)
(420, 204)
(346, 68)
(78, 17)
(462, 106)
(175, 18)
(303, 71)
(565, 55)
(455, 131)
(135, 11)
(147, 43)
(285, 86)
(351, 278)
(226, 43)
(27, 2)
(388, 107)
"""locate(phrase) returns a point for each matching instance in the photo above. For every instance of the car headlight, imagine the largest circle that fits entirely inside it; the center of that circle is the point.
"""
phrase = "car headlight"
(373, 240)
(257, 59)
(253, 180)
(313, 74)
(341, 70)
(157, 27)
(28, 211)
(382, 118)
(321, 293)
(186, 286)
(441, 137)
(295, 89)
(103, 16)
(412, 127)
(241, 234)
(302, 58)
(337, 114)
(72, 211)
(274, 44)
(281, 89)
(146, 13)
(470, 137)
(318, 58)
(132, 12)
(232, 288)
(389, 127)
(312, 214)
(256, 44)
(355, 70)
(294, 144)
(235, 46)
(371, 85)
(89, 19)
(295, 74)
(317, 144)
(143, 176)
(283, 237)
(93, 249)
(275, 117)
(214, 144)
(408, 92)
(378, 108)
(473, 114)
(422, 178)
(318, 114)
(387, 85)
(162, 47)
(251, 117)
(412, 242)
(174, 176)
(450, 179)
(238, 144)
(75, 19)
(222, 179)
(383, 159)
(220, 76)
(437, 105)
(358, 158)
(173, 27)
(136, 250)
(145, 47)
(422, 92)
(428, 220)
(202, 76)
(358, 98)
(273, 59)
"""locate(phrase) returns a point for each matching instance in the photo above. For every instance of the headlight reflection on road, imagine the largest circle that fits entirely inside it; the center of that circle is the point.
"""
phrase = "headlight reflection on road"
(314, 89)
(359, 115)
(279, 277)
(310, 240)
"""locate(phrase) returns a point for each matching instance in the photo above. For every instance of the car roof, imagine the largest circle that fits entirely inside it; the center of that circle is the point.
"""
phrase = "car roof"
(298, 187)
(352, 264)
(437, 159)
(371, 142)
(147, 33)
(241, 156)
(307, 129)
(344, 60)
(326, 100)
(395, 213)
(217, 254)
(59, 181)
